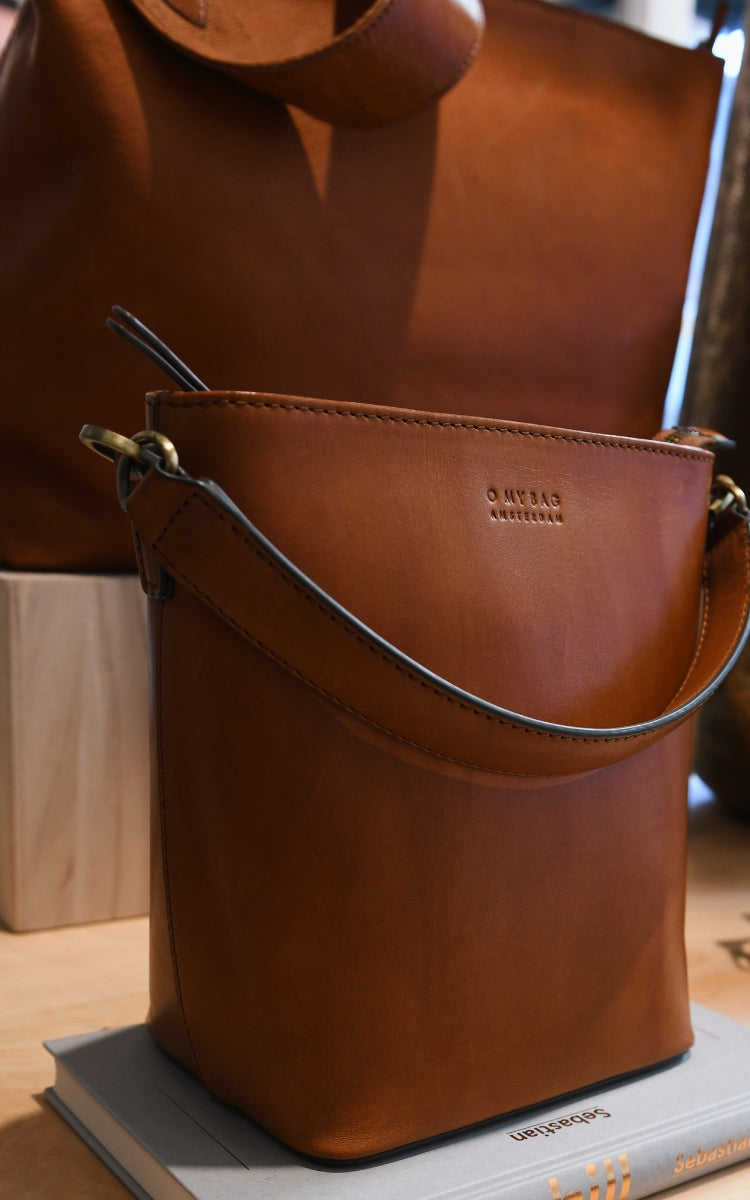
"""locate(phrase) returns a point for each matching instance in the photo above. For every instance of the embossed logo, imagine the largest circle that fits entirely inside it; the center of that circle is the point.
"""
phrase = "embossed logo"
(525, 505)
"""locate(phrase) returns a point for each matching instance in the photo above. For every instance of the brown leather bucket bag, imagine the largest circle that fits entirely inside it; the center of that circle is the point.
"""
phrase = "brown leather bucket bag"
(422, 737)
(276, 186)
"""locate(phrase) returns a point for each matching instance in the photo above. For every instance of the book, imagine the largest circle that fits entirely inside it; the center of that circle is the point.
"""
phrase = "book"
(167, 1138)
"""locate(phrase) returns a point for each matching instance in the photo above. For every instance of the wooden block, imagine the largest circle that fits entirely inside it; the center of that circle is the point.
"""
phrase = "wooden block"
(74, 758)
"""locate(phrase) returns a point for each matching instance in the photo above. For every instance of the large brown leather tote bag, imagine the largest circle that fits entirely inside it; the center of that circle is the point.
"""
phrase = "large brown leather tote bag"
(422, 693)
(279, 188)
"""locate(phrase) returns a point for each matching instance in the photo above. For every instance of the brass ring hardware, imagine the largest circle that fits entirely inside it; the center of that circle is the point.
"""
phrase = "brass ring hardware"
(156, 449)
(165, 449)
(729, 495)
(110, 444)
(145, 449)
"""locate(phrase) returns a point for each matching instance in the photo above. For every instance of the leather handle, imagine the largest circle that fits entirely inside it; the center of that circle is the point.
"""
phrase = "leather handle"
(196, 534)
(397, 57)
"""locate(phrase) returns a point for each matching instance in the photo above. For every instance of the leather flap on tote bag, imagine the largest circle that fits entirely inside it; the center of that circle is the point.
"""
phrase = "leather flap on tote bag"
(389, 59)
(555, 573)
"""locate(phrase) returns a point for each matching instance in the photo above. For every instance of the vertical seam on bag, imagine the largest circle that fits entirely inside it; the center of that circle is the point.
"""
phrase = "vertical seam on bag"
(699, 644)
(163, 827)
(150, 586)
(707, 602)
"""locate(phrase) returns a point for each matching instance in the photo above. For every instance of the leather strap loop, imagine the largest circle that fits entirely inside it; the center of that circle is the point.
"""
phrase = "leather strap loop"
(397, 57)
(200, 538)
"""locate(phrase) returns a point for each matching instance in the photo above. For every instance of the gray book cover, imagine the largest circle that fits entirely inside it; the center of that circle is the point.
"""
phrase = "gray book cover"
(167, 1138)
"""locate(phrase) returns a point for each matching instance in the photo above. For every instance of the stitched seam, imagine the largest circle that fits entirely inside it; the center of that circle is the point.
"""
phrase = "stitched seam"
(337, 620)
(164, 854)
(746, 605)
(699, 647)
(741, 623)
(449, 423)
(150, 587)
(141, 563)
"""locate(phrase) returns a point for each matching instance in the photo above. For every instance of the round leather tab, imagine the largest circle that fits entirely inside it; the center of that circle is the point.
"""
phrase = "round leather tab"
(392, 58)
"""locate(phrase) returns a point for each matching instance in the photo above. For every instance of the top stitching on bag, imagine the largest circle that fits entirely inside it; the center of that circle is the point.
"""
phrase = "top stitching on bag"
(592, 440)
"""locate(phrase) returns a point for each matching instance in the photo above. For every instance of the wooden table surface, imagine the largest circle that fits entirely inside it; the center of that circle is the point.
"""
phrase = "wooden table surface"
(74, 980)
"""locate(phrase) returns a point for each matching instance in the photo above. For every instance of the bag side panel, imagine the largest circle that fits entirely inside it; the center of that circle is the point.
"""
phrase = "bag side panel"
(373, 950)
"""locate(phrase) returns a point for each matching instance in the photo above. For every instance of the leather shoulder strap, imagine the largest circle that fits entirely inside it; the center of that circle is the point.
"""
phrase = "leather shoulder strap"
(198, 536)
(394, 58)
